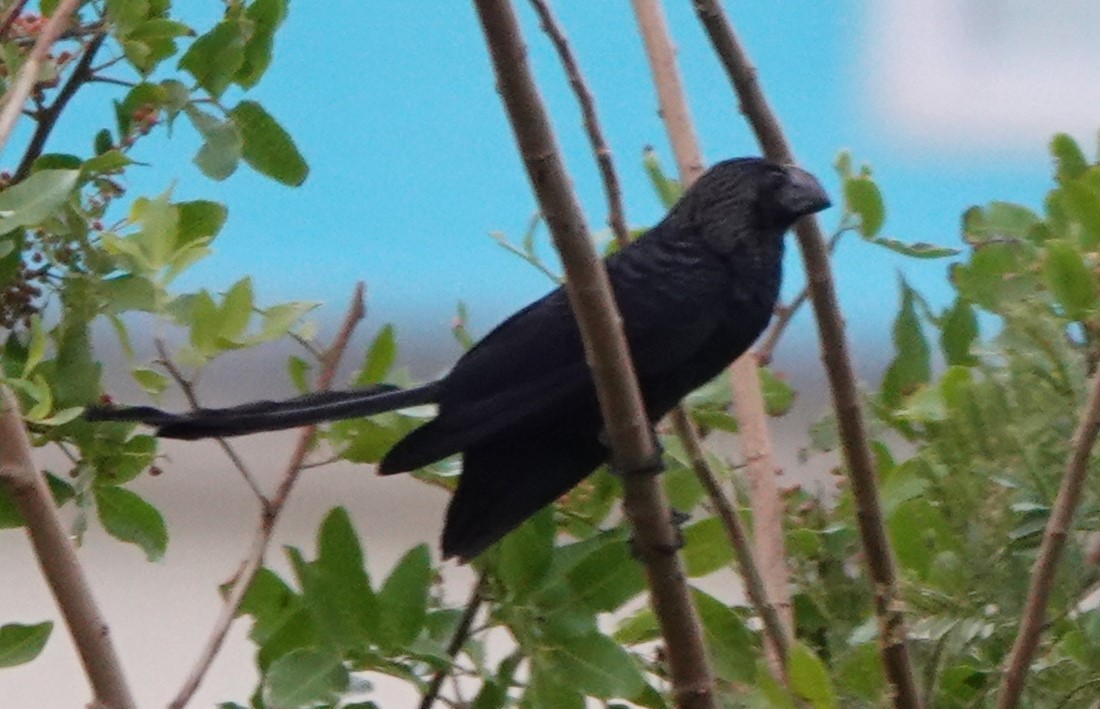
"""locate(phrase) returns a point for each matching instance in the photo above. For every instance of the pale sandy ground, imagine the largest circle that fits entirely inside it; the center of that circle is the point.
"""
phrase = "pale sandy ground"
(162, 613)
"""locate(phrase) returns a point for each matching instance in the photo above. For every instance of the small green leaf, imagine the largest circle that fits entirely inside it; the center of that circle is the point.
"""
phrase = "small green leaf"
(267, 147)
(221, 150)
(266, 16)
(959, 329)
(911, 365)
(607, 577)
(19, 644)
(151, 381)
(1071, 282)
(526, 553)
(779, 396)
(200, 220)
(596, 665)
(732, 646)
(34, 199)
(304, 677)
(862, 197)
(668, 189)
(1069, 160)
(298, 370)
(129, 518)
(36, 347)
(380, 357)
(215, 57)
(706, 547)
(809, 678)
(236, 310)
(126, 14)
(109, 161)
(1082, 205)
(403, 598)
(918, 249)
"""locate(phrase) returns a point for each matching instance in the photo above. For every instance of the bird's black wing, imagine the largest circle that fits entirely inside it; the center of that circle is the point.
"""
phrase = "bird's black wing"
(531, 368)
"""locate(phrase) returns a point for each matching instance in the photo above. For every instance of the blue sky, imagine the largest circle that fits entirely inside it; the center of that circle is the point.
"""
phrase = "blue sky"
(412, 162)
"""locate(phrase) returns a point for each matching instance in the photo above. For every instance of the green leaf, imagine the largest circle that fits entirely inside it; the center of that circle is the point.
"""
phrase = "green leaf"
(221, 150)
(607, 577)
(732, 646)
(236, 310)
(917, 249)
(403, 598)
(340, 596)
(595, 665)
(267, 147)
(266, 16)
(126, 14)
(151, 381)
(380, 357)
(107, 162)
(911, 366)
(36, 347)
(809, 679)
(668, 189)
(998, 220)
(129, 518)
(779, 396)
(525, 554)
(34, 199)
(862, 197)
(1071, 282)
(215, 57)
(19, 644)
(1082, 205)
(304, 677)
(1069, 160)
(959, 330)
(550, 690)
(706, 547)
(200, 220)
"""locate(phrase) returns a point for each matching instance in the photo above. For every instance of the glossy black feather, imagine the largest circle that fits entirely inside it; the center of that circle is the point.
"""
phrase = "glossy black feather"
(694, 293)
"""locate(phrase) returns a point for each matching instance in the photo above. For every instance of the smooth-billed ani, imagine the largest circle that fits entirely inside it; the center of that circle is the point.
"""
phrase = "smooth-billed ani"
(694, 291)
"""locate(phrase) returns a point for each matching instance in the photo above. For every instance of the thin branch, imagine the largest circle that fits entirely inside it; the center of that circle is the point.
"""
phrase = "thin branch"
(10, 14)
(739, 540)
(57, 559)
(612, 192)
(628, 431)
(670, 92)
(461, 635)
(748, 400)
(11, 105)
(47, 118)
(1055, 534)
(188, 390)
(785, 313)
(838, 366)
(270, 516)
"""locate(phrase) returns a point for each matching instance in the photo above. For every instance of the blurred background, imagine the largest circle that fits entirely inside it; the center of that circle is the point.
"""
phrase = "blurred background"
(952, 102)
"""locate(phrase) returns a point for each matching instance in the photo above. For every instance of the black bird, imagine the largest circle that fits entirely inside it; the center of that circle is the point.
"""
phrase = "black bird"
(695, 291)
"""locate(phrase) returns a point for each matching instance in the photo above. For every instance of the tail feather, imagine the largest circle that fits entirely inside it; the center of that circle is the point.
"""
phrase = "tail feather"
(260, 416)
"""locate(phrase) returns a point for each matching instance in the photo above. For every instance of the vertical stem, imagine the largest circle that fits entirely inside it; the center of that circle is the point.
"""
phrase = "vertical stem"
(56, 557)
(838, 366)
(627, 428)
(748, 400)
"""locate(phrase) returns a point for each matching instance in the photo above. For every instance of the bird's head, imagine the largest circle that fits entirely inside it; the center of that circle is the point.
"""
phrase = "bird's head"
(750, 198)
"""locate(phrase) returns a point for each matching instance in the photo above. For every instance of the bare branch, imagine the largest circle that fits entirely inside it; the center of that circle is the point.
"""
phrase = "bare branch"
(47, 119)
(461, 635)
(58, 561)
(838, 366)
(188, 389)
(270, 515)
(612, 192)
(754, 583)
(1046, 563)
(628, 431)
(747, 397)
(11, 105)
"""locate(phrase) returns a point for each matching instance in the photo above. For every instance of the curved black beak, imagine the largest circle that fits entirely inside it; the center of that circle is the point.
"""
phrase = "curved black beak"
(803, 194)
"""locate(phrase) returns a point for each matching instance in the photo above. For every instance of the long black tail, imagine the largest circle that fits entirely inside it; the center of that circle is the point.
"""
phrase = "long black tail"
(269, 415)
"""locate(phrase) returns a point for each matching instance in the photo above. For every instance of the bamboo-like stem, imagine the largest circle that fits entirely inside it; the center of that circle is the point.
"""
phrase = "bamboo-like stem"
(58, 560)
(838, 367)
(748, 400)
(627, 429)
